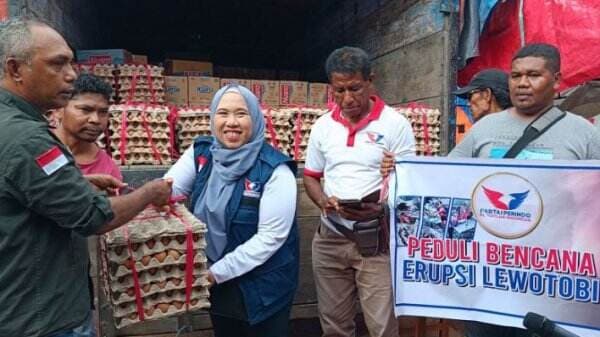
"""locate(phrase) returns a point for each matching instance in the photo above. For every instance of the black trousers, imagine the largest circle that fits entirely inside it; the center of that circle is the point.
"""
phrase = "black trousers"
(275, 326)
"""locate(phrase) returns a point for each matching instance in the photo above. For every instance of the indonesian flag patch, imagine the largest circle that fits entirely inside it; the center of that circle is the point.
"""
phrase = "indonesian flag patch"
(51, 160)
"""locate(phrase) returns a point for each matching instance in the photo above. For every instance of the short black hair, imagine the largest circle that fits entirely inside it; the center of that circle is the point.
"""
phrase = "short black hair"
(502, 98)
(91, 84)
(348, 60)
(544, 50)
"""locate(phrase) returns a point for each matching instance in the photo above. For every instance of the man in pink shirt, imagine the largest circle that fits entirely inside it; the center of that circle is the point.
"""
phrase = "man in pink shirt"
(82, 121)
(78, 125)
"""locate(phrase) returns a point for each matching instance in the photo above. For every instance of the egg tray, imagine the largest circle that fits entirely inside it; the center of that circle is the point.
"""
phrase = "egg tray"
(159, 301)
(100, 70)
(147, 276)
(158, 132)
(134, 112)
(141, 82)
(125, 308)
(134, 153)
(304, 128)
(140, 142)
(141, 92)
(120, 253)
(192, 134)
(136, 159)
(434, 146)
(130, 70)
(117, 270)
(121, 291)
(149, 235)
(150, 224)
(157, 311)
(420, 135)
(282, 136)
(136, 125)
(147, 99)
(126, 294)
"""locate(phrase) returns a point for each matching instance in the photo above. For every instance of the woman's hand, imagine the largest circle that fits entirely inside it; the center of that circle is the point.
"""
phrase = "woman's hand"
(211, 279)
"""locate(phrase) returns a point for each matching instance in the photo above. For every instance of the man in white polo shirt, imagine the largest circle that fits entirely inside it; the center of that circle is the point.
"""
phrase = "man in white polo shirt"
(346, 148)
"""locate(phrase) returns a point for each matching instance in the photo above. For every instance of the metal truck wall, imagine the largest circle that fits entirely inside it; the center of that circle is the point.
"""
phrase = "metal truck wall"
(412, 44)
(78, 21)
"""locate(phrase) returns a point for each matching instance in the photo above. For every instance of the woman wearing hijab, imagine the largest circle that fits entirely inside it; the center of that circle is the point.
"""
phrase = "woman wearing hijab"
(245, 191)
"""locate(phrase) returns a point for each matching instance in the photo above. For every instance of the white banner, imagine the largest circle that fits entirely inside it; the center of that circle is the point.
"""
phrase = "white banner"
(491, 240)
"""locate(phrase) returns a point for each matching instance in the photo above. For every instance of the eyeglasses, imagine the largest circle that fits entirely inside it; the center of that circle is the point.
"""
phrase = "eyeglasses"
(473, 92)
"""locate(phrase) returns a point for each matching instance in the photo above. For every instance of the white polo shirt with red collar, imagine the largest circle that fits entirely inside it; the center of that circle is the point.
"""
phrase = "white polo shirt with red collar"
(349, 157)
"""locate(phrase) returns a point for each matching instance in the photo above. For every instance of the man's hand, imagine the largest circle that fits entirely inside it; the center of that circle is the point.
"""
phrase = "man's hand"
(105, 182)
(328, 204)
(387, 163)
(160, 192)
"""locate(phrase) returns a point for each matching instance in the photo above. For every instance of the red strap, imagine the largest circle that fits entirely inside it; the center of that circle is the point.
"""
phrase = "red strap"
(123, 145)
(298, 134)
(172, 118)
(131, 97)
(383, 191)
(425, 133)
(136, 280)
(150, 85)
(149, 134)
(189, 258)
(383, 200)
(415, 105)
(271, 129)
(107, 147)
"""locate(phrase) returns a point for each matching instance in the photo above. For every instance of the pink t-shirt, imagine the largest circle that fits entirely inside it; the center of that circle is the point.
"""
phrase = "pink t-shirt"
(103, 164)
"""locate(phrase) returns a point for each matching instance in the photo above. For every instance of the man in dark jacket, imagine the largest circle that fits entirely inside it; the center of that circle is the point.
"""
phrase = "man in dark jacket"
(47, 207)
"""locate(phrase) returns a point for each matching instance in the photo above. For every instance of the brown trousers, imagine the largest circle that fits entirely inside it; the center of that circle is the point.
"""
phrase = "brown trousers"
(341, 274)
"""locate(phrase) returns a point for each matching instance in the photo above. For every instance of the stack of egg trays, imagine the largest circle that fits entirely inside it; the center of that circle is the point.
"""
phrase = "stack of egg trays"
(278, 129)
(157, 245)
(145, 143)
(140, 84)
(303, 119)
(426, 127)
(192, 123)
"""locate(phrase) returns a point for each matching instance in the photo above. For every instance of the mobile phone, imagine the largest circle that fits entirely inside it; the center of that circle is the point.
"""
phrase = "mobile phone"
(350, 203)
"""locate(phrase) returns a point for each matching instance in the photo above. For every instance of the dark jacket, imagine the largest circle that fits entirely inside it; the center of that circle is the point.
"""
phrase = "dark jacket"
(271, 286)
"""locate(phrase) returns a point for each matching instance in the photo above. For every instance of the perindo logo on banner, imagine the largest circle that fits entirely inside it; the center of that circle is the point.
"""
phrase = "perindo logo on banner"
(507, 205)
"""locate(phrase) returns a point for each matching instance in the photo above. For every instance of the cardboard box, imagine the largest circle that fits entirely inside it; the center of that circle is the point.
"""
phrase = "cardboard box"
(104, 56)
(267, 92)
(293, 93)
(242, 82)
(139, 59)
(178, 67)
(202, 89)
(176, 90)
(319, 94)
(193, 73)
